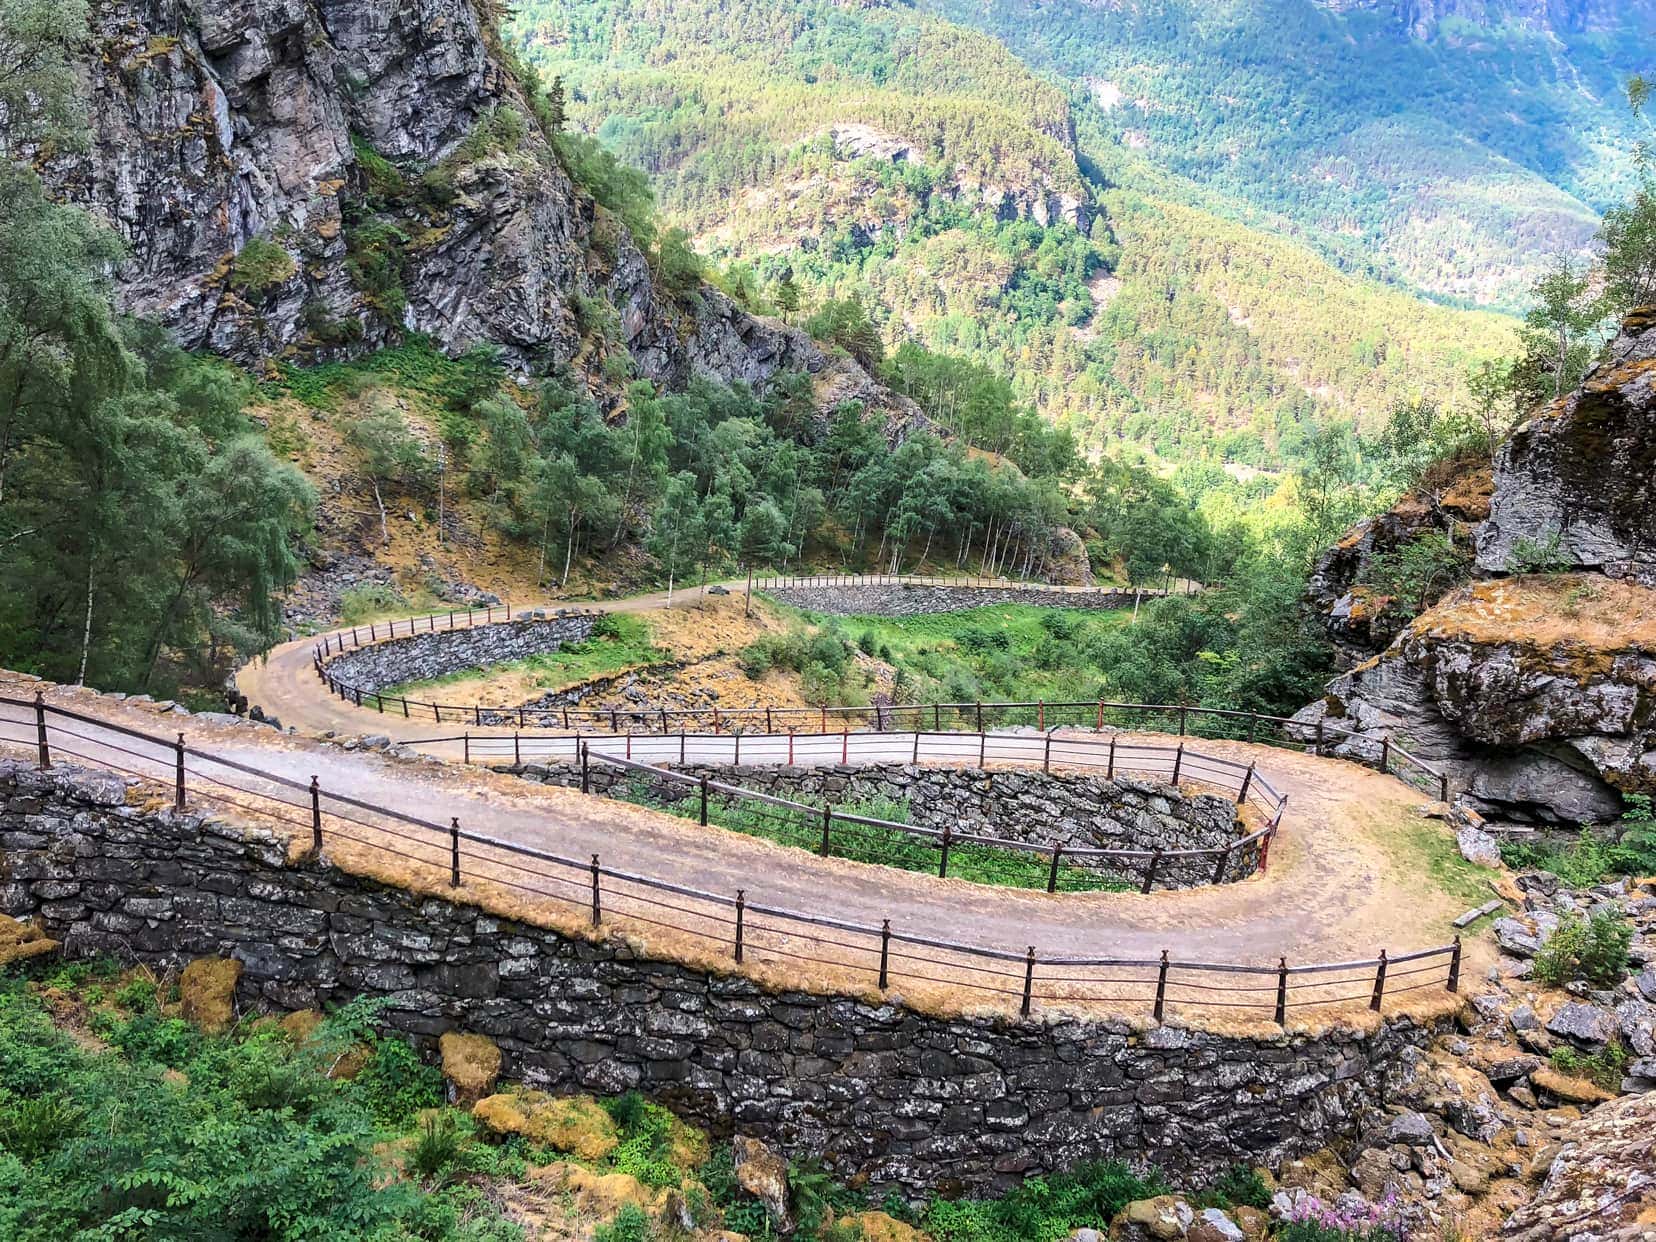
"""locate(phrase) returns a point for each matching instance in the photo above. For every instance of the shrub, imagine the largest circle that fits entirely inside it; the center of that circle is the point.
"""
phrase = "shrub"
(260, 267)
(1060, 625)
(629, 1225)
(1240, 1186)
(396, 1084)
(31, 1128)
(369, 599)
(1604, 1067)
(1594, 950)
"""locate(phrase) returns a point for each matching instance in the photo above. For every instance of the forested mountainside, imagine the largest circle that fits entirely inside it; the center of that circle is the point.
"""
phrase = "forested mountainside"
(826, 151)
(1450, 145)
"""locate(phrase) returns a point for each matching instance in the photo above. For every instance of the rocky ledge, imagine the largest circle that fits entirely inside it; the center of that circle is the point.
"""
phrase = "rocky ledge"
(1537, 695)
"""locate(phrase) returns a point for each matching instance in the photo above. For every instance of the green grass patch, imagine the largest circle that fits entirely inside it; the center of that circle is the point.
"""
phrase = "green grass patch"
(886, 847)
(1002, 652)
(1427, 849)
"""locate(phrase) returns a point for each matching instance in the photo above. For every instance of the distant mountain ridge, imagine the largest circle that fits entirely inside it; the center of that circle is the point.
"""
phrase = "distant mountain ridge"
(1424, 19)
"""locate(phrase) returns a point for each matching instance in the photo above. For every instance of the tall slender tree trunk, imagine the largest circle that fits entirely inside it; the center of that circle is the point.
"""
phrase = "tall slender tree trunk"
(569, 551)
(385, 526)
(86, 630)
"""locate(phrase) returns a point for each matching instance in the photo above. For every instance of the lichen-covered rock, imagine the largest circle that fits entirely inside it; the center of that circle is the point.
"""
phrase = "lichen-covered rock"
(1577, 478)
(1602, 1183)
(1537, 695)
(764, 1174)
(1450, 501)
(207, 992)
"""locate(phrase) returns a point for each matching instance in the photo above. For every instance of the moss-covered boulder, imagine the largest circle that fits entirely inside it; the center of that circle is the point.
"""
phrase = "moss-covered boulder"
(207, 993)
(575, 1124)
(471, 1064)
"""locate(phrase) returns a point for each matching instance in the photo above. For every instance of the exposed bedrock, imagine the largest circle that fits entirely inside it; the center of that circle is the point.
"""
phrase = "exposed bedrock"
(218, 125)
(1577, 478)
(1537, 694)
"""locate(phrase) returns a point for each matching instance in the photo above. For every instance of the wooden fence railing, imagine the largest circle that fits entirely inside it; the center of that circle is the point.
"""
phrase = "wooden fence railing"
(733, 925)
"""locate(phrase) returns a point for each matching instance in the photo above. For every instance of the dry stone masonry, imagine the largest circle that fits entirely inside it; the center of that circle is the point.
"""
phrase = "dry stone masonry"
(915, 599)
(419, 657)
(877, 1090)
(1037, 808)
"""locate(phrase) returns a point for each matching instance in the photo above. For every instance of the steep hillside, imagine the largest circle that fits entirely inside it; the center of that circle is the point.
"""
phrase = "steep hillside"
(879, 151)
(311, 181)
(1452, 145)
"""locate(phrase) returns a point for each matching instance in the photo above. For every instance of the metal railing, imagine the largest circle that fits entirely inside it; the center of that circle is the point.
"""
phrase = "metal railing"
(845, 954)
(1383, 753)
(1056, 867)
(784, 582)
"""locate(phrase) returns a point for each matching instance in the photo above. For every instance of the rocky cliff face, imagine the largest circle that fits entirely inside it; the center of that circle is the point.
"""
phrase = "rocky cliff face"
(1537, 694)
(1360, 620)
(385, 166)
(1579, 479)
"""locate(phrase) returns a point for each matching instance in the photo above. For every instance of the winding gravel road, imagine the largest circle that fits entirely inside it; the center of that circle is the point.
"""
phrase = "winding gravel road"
(1342, 882)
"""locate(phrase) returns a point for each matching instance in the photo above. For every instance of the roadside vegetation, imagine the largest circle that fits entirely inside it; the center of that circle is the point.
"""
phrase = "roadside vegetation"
(1627, 847)
(119, 1119)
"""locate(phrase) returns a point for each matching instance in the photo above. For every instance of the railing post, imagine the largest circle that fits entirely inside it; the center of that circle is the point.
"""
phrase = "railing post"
(1318, 744)
(1385, 753)
(1161, 987)
(983, 749)
(454, 853)
(1040, 715)
(1247, 784)
(178, 791)
(1454, 966)
(1443, 787)
(1183, 712)
(741, 907)
(1219, 871)
(768, 728)
(466, 740)
(379, 702)
(316, 814)
(1029, 982)
(885, 953)
(1098, 725)
(597, 897)
(980, 717)
(40, 732)
(586, 772)
(1282, 992)
(1178, 762)
(943, 860)
(405, 707)
(845, 746)
(937, 717)
(1052, 872)
(517, 754)
(1150, 870)
(704, 801)
(1379, 983)
(914, 755)
(1109, 771)
(827, 827)
(1046, 755)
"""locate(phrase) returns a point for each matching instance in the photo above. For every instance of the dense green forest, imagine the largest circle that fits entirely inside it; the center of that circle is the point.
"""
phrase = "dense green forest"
(1456, 159)
(817, 152)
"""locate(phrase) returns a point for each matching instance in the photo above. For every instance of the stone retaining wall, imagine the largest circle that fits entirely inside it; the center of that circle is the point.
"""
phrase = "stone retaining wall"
(1039, 808)
(911, 600)
(420, 657)
(876, 1090)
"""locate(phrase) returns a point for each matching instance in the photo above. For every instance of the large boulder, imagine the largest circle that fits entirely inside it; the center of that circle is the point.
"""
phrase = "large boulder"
(1602, 1183)
(1577, 478)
